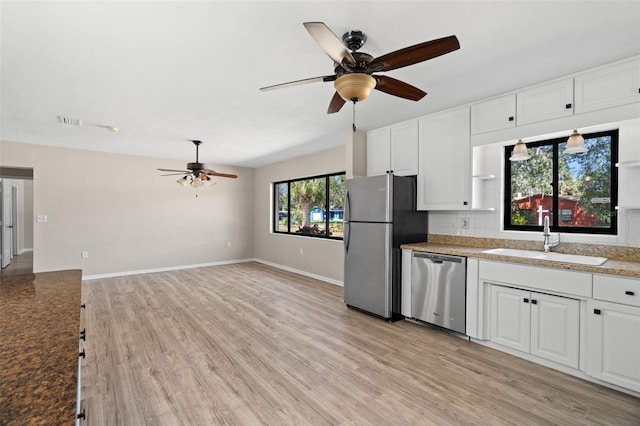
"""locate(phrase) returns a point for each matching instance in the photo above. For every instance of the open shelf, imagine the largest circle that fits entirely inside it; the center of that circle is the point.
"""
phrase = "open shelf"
(628, 164)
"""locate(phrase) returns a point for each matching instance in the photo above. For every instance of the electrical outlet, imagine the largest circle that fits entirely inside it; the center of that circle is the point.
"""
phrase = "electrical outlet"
(41, 218)
(84, 254)
(464, 223)
(301, 251)
(229, 244)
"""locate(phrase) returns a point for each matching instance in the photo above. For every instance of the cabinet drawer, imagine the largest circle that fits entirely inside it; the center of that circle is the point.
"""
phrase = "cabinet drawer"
(616, 289)
(537, 278)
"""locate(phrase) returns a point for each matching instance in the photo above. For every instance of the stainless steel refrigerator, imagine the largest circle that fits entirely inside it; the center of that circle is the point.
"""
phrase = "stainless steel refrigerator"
(380, 215)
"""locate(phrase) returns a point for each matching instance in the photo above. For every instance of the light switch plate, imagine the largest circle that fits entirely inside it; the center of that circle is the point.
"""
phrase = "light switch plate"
(41, 218)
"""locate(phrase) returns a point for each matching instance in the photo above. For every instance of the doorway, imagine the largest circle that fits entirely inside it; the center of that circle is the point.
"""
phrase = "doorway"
(16, 221)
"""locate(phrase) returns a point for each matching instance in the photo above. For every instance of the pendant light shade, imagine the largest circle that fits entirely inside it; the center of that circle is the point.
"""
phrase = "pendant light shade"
(575, 144)
(520, 152)
(184, 181)
(354, 86)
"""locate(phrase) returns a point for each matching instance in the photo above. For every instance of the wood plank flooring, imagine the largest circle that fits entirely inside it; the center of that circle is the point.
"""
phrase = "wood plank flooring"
(20, 265)
(248, 344)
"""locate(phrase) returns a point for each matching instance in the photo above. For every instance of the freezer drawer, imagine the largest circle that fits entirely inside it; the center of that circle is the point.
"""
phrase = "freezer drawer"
(438, 290)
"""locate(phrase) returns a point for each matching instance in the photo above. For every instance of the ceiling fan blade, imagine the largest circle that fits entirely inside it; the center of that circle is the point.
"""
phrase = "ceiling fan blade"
(336, 103)
(300, 82)
(414, 54)
(329, 43)
(398, 88)
(173, 170)
(210, 172)
(172, 174)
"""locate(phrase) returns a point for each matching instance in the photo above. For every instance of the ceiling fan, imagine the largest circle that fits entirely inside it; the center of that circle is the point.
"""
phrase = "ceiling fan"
(197, 174)
(354, 78)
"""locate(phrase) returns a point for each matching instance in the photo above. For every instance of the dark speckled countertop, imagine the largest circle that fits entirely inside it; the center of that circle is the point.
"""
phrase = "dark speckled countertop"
(39, 331)
(623, 261)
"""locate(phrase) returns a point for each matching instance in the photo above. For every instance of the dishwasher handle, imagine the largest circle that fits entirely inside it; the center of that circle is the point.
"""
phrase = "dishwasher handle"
(439, 258)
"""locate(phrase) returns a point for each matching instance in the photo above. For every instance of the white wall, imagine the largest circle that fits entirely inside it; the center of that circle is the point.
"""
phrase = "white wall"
(128, 217)
(488, 224)
(320, 257)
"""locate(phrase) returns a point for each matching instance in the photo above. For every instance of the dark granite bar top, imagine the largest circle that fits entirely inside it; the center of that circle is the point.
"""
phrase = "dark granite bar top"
(39, 332)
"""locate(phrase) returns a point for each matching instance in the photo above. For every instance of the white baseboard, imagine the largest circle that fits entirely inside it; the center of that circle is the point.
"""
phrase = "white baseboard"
(301, 272)
(200, 265)
(169, 268)
(24, 250)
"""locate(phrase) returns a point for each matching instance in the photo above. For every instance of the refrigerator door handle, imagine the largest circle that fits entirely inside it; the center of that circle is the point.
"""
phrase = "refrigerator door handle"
(347, 207)
(347, 234)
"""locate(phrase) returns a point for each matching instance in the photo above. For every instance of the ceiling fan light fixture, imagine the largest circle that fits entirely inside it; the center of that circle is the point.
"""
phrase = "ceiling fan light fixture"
(354, 86)
(575, 144)
(520, 152)
(184, 181)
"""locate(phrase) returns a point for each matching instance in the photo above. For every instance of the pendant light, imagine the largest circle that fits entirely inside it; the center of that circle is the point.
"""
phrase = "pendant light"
(520, 152)
(575, 144)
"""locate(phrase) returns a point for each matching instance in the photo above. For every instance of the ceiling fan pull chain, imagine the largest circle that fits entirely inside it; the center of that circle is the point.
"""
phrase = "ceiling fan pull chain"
(353, 125)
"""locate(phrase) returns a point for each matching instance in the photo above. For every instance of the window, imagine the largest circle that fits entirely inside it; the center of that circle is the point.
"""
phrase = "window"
(578, 192)
(311, 207)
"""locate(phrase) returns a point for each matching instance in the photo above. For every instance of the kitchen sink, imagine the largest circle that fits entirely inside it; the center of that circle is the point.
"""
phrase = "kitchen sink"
(550, 256)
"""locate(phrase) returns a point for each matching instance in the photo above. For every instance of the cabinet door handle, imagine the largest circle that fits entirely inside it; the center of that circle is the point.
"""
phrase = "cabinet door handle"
(81, 354)
(568, 106)
(511, 118)
(534, 302)
(596, 311)
(83, 334)
(525, 300)
(83, 306)
(629, 293)
(81, 415)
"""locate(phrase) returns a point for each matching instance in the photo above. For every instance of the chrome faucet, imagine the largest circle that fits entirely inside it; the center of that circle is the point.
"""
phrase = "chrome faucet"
(546, 232)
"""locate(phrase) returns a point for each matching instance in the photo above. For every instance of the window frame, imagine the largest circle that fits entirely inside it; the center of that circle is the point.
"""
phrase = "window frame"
(275, 212)
(556, 213)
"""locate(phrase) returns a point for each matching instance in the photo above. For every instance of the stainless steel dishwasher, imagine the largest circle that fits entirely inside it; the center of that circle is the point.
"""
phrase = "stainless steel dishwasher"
(439, 290)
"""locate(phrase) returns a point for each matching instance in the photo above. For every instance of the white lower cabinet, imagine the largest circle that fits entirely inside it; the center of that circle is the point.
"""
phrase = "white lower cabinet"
(540, 324)
(613, 343)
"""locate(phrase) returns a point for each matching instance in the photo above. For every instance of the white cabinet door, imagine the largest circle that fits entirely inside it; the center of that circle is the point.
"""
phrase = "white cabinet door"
(613, 343)
(495, 114)
(553, 100)
(555, 328)
(378, 151)
(404, 149)
(444, 152)
(608, 87)
(510, 317)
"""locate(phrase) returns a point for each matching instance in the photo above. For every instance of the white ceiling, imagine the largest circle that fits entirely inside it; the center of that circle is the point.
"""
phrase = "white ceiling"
(164, 72)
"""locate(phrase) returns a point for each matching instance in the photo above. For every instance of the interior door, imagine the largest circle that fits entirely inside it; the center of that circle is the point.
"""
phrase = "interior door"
(5, 228)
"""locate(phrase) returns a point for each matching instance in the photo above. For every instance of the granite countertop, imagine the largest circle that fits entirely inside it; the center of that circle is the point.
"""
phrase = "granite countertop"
(39, 332)
(623, 261)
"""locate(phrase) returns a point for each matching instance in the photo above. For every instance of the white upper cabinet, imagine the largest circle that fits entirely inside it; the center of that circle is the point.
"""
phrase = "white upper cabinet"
(546, 102)
(378, 151)
(393, 150)
(404, 149)
(615, 85)
(494, 114)
(444, 154)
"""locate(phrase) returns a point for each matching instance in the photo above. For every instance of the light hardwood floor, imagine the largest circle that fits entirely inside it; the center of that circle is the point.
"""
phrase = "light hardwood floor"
(248, 344)
(20, 265)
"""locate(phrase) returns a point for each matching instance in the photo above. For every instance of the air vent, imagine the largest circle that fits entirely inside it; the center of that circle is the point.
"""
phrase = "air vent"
(69, 121)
